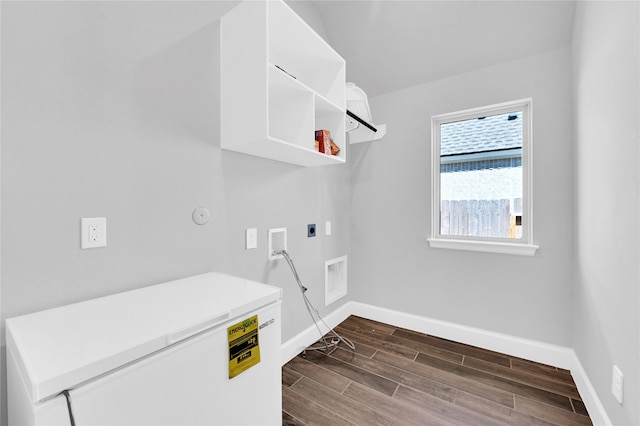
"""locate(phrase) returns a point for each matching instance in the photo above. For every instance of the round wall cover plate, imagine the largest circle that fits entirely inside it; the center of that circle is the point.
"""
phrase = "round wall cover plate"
(201, 215)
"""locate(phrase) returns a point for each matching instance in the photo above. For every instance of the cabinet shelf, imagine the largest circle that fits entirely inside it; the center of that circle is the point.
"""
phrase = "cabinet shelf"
(280, 82)
(279, 150)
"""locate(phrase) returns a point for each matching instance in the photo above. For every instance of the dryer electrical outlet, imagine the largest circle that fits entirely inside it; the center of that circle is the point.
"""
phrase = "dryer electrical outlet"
(311, 230)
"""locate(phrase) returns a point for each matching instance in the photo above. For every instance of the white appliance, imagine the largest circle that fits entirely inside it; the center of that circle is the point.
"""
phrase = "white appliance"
(159, 355)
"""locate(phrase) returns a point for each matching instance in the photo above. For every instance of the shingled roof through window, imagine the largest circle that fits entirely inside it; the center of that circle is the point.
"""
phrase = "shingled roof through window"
(477, 135)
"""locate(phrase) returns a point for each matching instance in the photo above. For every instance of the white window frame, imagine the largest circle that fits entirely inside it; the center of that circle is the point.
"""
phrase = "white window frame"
(522, 246)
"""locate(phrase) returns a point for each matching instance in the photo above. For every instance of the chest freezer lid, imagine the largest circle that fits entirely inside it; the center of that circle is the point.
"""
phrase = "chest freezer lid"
(59, 348)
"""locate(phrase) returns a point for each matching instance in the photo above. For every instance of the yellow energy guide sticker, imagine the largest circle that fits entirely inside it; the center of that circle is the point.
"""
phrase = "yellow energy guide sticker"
(244, 349)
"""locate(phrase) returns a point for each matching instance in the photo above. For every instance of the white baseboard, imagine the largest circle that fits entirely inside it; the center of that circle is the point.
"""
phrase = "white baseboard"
(555, 355)
(589, 396)
(558, 356)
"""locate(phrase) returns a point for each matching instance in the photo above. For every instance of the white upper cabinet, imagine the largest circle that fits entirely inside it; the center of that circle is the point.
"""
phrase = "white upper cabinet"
(280, 82)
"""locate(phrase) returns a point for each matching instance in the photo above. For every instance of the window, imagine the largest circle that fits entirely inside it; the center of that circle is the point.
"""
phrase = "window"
(481, 179)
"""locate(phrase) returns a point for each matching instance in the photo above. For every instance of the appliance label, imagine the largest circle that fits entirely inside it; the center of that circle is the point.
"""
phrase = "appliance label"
(244, 348)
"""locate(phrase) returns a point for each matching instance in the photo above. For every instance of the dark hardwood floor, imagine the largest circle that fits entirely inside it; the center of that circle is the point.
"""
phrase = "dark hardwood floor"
(400, 377)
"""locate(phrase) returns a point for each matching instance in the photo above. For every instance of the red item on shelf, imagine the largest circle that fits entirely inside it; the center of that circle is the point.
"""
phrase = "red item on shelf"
(335, 149)
(323, 139)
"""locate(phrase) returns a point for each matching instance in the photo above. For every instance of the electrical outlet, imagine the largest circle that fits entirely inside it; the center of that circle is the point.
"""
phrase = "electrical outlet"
(617, 384)
(311, 230)
(93, 232)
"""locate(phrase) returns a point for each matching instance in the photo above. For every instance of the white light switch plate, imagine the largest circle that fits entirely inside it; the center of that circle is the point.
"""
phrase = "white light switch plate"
(327, 228)
(251, 238)
(617, 384)
(93, 232)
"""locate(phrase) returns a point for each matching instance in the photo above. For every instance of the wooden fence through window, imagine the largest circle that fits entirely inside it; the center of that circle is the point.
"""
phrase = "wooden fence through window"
(480, 218)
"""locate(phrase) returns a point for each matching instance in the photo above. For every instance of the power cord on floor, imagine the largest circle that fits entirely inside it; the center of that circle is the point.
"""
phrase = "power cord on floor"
(336, 339)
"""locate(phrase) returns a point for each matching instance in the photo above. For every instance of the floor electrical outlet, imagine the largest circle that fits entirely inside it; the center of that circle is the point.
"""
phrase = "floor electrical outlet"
(617, 384)
(311, 230)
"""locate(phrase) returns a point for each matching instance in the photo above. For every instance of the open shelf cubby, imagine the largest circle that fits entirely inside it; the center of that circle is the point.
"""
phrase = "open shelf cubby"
(280, 82)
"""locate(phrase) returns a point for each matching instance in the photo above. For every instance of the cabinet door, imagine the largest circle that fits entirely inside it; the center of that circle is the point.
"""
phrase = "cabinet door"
(188, 384)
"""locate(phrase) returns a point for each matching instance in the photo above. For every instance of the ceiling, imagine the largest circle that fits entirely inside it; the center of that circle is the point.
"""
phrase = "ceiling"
(390, 45)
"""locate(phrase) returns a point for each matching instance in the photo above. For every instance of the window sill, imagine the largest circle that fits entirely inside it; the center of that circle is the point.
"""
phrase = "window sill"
(485, 246)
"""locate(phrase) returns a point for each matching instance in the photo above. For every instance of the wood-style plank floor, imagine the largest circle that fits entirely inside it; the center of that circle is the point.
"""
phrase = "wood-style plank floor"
(400, 377)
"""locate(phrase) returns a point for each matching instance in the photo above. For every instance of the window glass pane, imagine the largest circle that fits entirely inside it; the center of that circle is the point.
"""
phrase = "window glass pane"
(481, 176)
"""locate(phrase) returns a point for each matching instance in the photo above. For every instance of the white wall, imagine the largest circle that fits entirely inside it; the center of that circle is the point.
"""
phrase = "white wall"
(111, 109)
(392, 264)
(606, 319)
